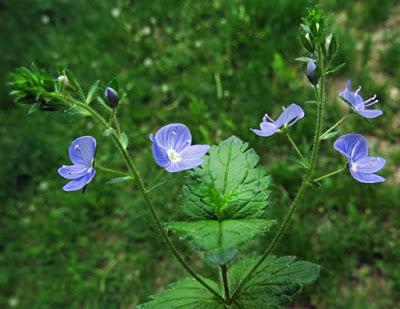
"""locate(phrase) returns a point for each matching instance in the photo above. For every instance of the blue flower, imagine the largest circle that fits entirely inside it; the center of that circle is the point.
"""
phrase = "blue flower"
(362, 167)
(311, 72)
(357, 103)
(288, 117)
(81, 153)
(172, 148)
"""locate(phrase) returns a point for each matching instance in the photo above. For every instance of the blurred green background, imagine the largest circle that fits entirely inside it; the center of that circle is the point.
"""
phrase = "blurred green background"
(216, 66)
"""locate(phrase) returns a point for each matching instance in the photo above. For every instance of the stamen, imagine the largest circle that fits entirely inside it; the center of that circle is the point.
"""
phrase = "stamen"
(372, 103)
(371, 99)
(173, 155)
(357, 91)
(266, 117)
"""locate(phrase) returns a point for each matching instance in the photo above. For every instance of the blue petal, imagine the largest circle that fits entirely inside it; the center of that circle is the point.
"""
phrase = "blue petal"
(370, 165)
(267, 129)
(174, 136)
(311, 67)
(370, 113)
(160, 155)
(290, 115)
(191, 157)
(72, 171)
(366, 178)
(353, 146)
(353, 98)
(79, 183)
(82, 150)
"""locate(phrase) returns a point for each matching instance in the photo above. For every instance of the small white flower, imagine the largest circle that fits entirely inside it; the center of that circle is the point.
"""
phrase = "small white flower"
(164, 88)
(146, 30)
(148, 62)
(115, 12)
(45, 19)
(13, 302)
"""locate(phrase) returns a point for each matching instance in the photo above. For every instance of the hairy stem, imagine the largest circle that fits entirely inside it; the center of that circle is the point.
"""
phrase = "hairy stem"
(224, 275)
(320, 93)
(135, 173)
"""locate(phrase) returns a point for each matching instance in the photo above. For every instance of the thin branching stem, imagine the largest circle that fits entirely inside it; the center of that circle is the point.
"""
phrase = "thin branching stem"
(295, 147)
(110, 170)
(224, 275)
(145, 193)
(320, 94)
(330, 174)
(335, 125)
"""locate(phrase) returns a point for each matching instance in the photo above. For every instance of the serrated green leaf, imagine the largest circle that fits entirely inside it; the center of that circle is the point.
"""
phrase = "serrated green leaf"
(225, 199)
(329, 135)
(228, 186)
(185, 294)
(275, 282)
(212, 235)
(124, 140)
(92, 92)
(120, 180)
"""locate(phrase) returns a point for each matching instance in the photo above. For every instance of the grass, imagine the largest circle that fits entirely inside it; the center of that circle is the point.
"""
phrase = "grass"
(218, 68)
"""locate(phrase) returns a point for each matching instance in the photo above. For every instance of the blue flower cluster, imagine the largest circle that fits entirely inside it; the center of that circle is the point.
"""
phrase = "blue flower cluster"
(173, 150)
(353, 146)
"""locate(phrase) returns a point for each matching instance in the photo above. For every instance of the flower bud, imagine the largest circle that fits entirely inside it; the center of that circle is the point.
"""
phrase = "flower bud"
(312, 72)
(112, 97)
(330, 46)
(307, 42)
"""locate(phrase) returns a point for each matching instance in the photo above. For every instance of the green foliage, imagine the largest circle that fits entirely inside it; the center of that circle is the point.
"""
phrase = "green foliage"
(36, 88)
(214, 235)
(275, 282)
(99, 250)
(219, 190)
(185, 294)
(226, 204)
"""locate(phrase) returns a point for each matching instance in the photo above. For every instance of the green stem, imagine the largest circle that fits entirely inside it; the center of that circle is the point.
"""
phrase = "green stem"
(109, 170)
(320, 93)
(295, 146)
(224, 275)
(330, 174)
(129, 163)
(335, 125)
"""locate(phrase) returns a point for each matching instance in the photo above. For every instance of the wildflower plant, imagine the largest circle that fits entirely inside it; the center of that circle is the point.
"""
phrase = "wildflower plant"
(225, 198)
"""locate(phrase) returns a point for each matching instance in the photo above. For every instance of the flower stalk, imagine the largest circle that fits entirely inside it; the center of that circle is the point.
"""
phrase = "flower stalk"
(224, 275)
(330, 174)
(320, 94)
(145, 193)
(323, 135)
(295, 146)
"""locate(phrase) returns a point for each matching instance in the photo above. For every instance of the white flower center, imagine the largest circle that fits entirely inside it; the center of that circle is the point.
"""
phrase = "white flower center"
(354, 167)
(174, 156)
